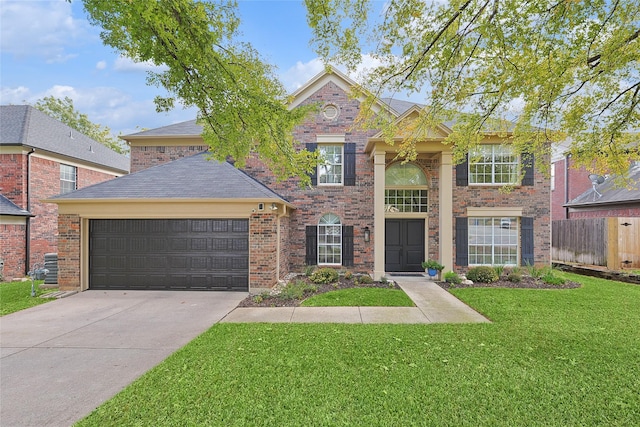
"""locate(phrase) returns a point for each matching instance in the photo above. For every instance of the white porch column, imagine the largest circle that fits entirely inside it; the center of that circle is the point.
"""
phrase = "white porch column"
(446, 210)
(378, 214)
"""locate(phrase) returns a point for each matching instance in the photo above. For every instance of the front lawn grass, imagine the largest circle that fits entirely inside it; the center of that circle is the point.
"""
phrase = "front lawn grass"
(16, 296)
(360, 297)
(550, 358)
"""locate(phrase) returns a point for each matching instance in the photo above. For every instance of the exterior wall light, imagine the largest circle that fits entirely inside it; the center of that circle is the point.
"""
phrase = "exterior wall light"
(367, 235)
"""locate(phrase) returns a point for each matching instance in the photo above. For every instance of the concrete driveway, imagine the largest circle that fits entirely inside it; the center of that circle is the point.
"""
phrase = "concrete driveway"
(61, 360)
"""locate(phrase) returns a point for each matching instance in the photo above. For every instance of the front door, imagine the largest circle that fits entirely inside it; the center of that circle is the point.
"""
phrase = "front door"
(404, 245)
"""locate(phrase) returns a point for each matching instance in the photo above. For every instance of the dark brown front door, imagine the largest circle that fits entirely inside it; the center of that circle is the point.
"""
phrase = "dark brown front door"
(169, 254)
(404, 245)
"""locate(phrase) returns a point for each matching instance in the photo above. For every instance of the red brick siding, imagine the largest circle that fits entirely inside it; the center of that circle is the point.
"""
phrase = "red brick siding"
(45, 183)
(285, 253)
(13, 178)
(578, 180)
(143, 157)
(606, 212)
(263, 239)
(69, 252)
(354, 205)
(12, 250)
(535, 201)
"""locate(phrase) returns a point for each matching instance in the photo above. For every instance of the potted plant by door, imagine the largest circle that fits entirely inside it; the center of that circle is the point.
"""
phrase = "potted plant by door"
(432, 267)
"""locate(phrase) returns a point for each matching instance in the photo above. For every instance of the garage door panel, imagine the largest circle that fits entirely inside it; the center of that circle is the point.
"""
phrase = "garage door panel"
(201, 254)
(199, 244)
(178, 244)
(240, 244)
(219, 225)
(240, 226)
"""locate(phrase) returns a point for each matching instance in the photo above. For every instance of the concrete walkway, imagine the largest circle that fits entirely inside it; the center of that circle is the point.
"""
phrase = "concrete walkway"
(433, 305)
(62, 359)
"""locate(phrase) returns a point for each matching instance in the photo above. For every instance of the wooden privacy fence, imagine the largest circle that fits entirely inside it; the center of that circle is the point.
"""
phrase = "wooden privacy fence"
(609, 242)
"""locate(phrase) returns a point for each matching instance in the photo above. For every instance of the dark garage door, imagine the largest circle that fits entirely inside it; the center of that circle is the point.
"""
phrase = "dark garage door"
(169, 254)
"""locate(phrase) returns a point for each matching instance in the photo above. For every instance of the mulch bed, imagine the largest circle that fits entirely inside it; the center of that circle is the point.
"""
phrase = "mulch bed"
(278, 301)
(526, 283)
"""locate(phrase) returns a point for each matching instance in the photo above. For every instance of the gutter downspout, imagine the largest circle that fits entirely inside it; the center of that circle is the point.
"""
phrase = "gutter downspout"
(27, 237)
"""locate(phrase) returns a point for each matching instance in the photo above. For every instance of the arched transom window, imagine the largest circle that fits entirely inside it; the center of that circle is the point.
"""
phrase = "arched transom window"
(405, 188)
(329, 240)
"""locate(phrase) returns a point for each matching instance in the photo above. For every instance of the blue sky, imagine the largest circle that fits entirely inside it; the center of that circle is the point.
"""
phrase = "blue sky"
(48, 48)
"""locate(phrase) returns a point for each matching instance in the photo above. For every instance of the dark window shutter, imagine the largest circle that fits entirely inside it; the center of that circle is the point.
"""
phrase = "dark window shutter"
(347, 245)
(526, 238)
(350, 164)
(462, 241)
(311, 257)
(313, 175)
(462, 173)
(527, 179)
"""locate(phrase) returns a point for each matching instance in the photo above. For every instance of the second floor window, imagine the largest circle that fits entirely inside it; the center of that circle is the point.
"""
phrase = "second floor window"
(493, 164)
(68, 178)
(330, 173)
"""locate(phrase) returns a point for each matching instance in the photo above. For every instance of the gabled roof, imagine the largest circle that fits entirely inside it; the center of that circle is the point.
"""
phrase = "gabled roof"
(7, 207)
(335, 76)
(400, 106)
(192, 177)
(188, 128)
(24, 125)
(610, 193)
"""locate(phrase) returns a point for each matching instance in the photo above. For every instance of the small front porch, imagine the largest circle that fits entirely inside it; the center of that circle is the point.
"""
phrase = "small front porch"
(413, 207)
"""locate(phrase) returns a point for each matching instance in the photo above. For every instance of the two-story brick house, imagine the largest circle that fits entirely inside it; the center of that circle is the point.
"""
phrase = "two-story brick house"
(41, 157)
(180, 221)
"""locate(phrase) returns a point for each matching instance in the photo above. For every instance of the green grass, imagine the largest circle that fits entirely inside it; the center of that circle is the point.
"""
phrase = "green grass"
(550, 358)
(16, 296)
(360, 297)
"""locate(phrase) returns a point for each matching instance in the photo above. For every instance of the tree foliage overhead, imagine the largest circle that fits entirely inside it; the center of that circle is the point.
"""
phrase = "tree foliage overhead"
(242, 105)
(572, 66)
(64, 111)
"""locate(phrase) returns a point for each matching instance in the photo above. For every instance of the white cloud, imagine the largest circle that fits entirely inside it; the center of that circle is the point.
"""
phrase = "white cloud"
(301, 73)
(101, 65)
(127, 64)
(42, 28)
(14, 95)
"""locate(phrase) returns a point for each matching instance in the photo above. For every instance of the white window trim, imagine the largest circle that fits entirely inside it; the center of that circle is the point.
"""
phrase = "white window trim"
(405, 187)
(329, 245)
(473, 211)
(517, 245)
(332, 184)
(75, 177)
(494, 184)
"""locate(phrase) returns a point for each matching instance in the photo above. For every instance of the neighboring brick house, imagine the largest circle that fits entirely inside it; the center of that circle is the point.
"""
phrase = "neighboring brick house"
(567, 181)
(179, 222)
(41, 157)
(609, 199)
(13, 225)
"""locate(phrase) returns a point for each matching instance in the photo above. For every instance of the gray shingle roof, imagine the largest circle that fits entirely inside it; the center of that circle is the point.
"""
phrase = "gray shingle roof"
(192, 177)
(400, 106)
(7, 207)
(611, 193)
(28, 126)
(177, 129)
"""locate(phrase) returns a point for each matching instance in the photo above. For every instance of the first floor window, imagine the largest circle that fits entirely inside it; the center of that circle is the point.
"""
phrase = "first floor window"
(330, 240)
(68, 178)
(493, 240)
